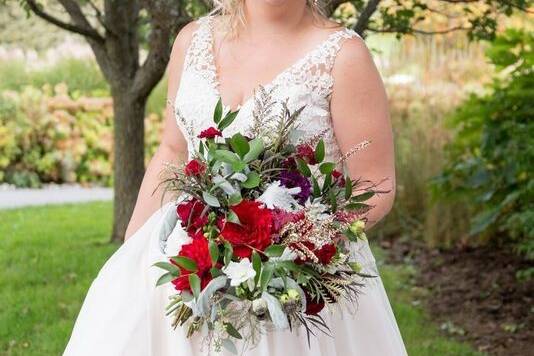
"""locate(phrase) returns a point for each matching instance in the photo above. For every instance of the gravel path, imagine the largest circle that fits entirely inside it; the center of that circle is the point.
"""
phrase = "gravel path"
(55, 194)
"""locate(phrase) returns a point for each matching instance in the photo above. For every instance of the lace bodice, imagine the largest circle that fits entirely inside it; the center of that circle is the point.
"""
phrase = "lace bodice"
(307, 82)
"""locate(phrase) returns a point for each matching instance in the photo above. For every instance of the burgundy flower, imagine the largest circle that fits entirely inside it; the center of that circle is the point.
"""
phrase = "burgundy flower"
(306, 153)
(323, 254)
(198, 251)
(294, 179)
(210, 132)
(190, 214)
(338, 176)
(194, 168)
(313, 306)
(254, 232)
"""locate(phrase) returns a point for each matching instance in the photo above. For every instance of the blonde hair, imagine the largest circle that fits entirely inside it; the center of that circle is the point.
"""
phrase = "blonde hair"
(233, 13)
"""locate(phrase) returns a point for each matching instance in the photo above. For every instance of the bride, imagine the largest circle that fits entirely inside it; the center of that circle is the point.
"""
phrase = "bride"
(289, 48)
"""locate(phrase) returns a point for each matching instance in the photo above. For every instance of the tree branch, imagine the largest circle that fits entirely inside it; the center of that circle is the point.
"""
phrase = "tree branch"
(365, 17)
(79, 27)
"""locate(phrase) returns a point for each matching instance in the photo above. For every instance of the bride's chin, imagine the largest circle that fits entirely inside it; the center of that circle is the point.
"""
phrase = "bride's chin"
(276, 2)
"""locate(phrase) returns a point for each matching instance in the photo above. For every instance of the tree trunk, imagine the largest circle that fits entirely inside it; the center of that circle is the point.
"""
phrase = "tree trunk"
(129, 158)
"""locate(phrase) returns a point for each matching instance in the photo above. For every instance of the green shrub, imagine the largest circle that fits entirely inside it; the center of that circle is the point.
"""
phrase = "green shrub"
(51, 135)
(491, 159)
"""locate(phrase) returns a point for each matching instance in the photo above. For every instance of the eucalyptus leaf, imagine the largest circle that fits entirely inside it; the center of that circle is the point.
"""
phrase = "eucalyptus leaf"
(278, 316)
(253, 180)
(210, 200)
(234, 199)
(229, 346)
(256, 148)
(202, 305)
(239, 144)
(167, 225)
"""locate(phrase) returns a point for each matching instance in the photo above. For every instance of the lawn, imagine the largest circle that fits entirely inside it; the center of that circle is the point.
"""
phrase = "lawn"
(49, 255)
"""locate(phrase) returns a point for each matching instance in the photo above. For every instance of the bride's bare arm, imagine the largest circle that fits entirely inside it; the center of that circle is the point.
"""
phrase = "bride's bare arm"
(173, 147)
(360, 112)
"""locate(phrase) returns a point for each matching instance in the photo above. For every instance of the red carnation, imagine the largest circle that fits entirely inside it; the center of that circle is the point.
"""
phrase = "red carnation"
(210, 133)
(338, 176)
(313, 306)
(191, 215)
(254, 231)
(194, 168)
(306, 153)
(198, 251)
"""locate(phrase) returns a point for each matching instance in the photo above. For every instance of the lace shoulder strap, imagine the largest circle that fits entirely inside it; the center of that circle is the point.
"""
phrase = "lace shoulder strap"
(198, 56)
(315, 69)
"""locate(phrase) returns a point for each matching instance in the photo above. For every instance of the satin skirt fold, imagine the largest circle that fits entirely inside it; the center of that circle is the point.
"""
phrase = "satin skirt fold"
(124, 314)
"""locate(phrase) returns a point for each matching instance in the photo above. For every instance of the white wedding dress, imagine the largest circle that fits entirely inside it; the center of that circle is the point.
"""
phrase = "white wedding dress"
(124, 313)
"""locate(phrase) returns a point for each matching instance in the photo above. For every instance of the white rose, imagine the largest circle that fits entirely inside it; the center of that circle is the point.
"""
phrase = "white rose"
(239, 272)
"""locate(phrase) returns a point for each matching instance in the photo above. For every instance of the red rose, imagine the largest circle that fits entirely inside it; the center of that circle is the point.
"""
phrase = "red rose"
(198, 251)
(306, 153)
(338, 176)
(210, 133)
(191, 215)
(194, 168)
(313, 306)
(254, 231)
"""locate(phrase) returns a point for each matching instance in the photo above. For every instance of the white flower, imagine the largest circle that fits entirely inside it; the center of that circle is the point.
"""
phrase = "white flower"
(176, 240)
(239, 272)
(317, 210)
(277, 196)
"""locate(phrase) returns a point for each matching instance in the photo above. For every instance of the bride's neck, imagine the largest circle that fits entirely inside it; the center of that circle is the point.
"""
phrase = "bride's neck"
(264, 18)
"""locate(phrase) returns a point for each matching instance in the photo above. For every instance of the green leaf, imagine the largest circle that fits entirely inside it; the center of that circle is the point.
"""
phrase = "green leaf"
(327, 182)
(214, 251)
(166, 278)
(215, 272)
(227, 121)
(274, 250)
(186, 263)
(303, 167)
(333, 200)
(194, 282)
(356, 206)
(350, 235)
(239, 144)
(266, 275)
(319, 151)
(327, 167)
(234, 199)
(238, 166)
(256, 264)
(217, 114)
(316, 188)
(232, 331)
(210, 200)
(201, 148)
(348, 188)
(174, 270)
(228, 251)
(232, 217)
(256, 148)
(253, 180)
(362, 197)
(226, 156)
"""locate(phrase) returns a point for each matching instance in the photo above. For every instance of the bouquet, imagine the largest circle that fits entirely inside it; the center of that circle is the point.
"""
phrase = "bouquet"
(264, 228)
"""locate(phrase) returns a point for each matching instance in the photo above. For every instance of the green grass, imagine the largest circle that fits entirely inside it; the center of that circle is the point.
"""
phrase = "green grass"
(49, 256)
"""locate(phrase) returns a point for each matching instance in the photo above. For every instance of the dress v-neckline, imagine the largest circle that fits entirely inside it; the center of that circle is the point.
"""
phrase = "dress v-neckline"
(275, 79)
